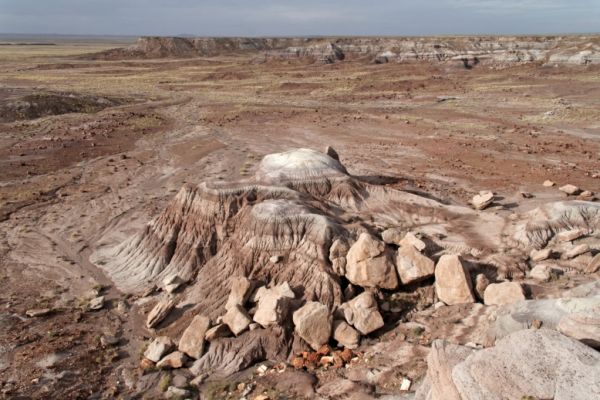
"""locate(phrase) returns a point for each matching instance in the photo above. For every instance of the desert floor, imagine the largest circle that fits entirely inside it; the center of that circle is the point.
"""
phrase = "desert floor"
(67, 180)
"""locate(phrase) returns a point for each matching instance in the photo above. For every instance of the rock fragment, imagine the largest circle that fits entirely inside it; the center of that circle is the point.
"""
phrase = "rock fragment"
(159, 347)
(369, 264)
(569, 189)
(540, 255)
(481, 283)
(452, 281)
(594, 265)
(576, 251)
(345, 335)
(192, 340)
(174, 392)
(583, 326)
(172, 283)
(160, 312)
(337, 255)
(172, 361)
(503, 293)
(411, 240)
(542, 272)
(441, 360)
(313, 324)
(570, 235)
(241, 289)
(482, 200)
(217, 331)
(548, 183)
(96, 303)
(392, 236)
(38, 312)
(412, 265)
(362, 313)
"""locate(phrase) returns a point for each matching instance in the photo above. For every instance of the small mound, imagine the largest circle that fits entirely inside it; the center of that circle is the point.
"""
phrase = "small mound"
(34, 106)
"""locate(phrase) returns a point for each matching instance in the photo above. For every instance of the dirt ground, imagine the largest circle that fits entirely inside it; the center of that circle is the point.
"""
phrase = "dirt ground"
(68, 179)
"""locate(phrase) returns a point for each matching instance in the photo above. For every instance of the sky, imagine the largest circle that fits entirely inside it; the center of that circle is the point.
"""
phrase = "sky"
(299, 17)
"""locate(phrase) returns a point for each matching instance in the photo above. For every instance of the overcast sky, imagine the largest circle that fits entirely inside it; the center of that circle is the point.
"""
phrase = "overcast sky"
(298, 17)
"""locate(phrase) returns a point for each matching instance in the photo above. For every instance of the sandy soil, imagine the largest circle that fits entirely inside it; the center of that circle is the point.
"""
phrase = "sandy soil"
(68, 180)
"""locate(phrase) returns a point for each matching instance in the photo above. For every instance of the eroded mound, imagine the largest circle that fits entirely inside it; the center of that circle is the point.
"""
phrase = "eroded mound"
(304, 237)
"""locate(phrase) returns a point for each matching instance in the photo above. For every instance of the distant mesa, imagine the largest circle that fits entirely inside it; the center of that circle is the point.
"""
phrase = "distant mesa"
(466, 51)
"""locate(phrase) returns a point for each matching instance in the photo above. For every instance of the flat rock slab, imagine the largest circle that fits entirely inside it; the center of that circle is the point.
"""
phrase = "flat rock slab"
(540, 363)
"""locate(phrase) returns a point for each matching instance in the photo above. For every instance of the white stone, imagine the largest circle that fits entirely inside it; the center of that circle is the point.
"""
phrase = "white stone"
(412, 265)
(452, 281)
(503, 293)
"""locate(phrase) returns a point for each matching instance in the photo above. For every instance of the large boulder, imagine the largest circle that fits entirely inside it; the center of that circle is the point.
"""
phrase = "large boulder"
(452, 281)
(542, 364)
(503, 293)
(192, 340)
(273, 305)
(369, 264)
(313, 323)
(362, 313)
(412, 265)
